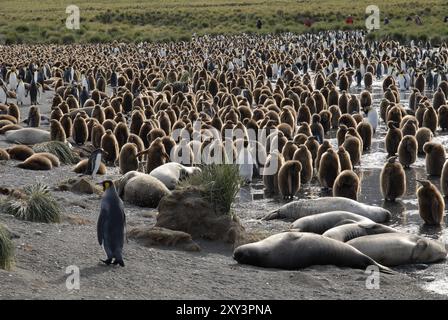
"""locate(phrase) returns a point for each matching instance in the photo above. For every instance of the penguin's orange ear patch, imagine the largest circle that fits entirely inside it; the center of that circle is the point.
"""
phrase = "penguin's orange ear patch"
(106, 185)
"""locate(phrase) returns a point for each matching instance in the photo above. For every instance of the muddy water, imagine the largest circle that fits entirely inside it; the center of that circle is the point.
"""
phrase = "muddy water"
(253, 204)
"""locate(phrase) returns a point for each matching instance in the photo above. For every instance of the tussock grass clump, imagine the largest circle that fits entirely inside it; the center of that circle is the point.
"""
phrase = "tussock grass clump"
(6, 250)
(59, 149)
(38, 205)
(219, 183)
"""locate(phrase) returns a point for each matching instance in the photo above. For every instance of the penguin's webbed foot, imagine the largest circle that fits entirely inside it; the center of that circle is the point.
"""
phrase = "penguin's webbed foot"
(107, 262)
(119, 262)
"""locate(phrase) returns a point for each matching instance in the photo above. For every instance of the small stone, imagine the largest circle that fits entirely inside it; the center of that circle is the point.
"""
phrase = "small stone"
(38, 232)
(428, 278)
(421, 266)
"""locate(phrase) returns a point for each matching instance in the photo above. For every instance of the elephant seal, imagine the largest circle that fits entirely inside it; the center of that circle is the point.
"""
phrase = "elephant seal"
(306, 207)
(171, 173)
(28, 136)
(142, 190)
(321, 222)
(395, 249)
(297, 250)
(351, 231)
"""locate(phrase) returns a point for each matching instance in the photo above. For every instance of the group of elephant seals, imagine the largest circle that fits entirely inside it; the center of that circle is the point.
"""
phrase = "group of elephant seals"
(305, 207)
(393, 249)
(297, 250)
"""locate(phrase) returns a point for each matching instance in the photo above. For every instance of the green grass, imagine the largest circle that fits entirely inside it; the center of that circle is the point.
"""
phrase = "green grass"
(59, 149)
(6, 250)
(219, 183)
(168, 20)
(38, 206)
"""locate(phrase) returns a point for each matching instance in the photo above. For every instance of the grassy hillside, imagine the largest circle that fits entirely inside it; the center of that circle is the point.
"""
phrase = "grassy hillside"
(164, 20)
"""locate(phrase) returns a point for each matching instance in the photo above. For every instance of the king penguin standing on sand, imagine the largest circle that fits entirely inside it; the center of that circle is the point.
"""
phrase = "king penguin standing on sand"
(111, 224)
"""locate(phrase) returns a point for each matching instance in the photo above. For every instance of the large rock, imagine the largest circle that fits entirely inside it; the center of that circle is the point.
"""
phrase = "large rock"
(186, 210)
(143, 191)
(163, 237)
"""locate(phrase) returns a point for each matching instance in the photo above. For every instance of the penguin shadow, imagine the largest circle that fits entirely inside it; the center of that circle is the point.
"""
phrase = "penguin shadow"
(433, 231)
(397, 207)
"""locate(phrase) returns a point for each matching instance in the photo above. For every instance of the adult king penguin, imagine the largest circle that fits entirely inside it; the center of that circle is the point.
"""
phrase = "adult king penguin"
(111, 224)
(94, 162)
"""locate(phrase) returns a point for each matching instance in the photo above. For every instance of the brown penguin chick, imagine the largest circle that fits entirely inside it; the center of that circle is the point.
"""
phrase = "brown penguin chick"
(135, 139)
(96, 135)
(110, 145)
(270, 181)
(303, 155)
(120, 118)
(109, 124)
(343, 83)
(98, 113)
(128, 158)
(81, 167)
(13, 110)
(54, 159)
(4, 155)
(20, 152)
(430, 119)
(365, 131)
(420, 83)
(317, 130)
(353, 146)
(305, 129)
(439, 99)
(67, 124)
(156, 155)
(365, 99)
(137, 119)
(384, 105)
(169, 144)
(144, 131)
(56, 114)
(347, 120)
(407, 151)
(443, 117)
(430, 203)
(288, 150)
(393, 138)
(435, 158)
(109, 113)
(304, 114)
(421, 109)
(353, 105)
(34, 117)
(340, 134)
(286, 129)
(36, 162)
(368, 80)
(289, 179)
(358, 118)
(329, 168)
(343, 102)
(322, 149)
(392, 180)
(344, 159)
(423, 135)
(165, 123)
(394, 114)
(325, 120)
(313, 146)
(299, 139)
(335, 115)
(57, 132)
(9, 127)
(444, 179)
(346, 185)
(80, 132)
(121, 133)
(409, 128)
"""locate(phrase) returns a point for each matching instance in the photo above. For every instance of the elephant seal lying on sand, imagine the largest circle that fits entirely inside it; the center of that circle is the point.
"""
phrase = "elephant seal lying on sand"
(27, 136)
(306, 207)
(321, 222)
(297, 250)
(393, 249)
(171, 173)
(351, 231)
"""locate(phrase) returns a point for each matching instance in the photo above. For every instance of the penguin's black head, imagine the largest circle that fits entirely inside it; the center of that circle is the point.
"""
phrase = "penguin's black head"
(107, 184)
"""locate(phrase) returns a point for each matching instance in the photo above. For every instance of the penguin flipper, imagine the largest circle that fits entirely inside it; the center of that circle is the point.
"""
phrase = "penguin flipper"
(100, 227)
